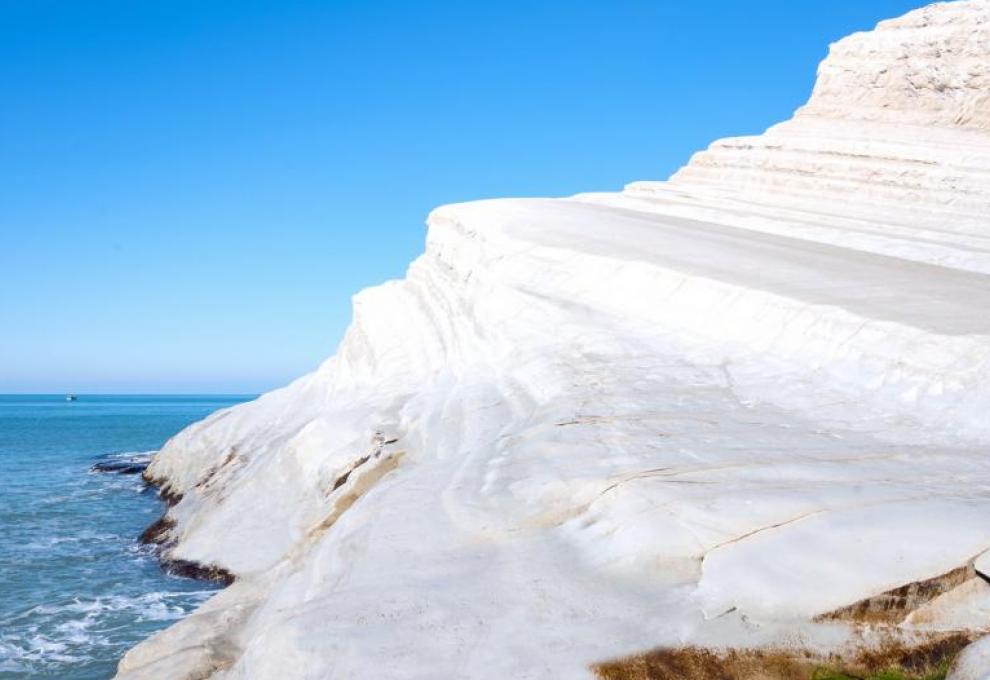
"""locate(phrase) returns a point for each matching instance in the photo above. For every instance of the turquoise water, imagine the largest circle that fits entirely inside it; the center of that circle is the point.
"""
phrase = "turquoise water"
(76, 590)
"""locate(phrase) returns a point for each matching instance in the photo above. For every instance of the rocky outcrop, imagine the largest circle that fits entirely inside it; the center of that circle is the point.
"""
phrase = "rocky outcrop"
(888, 156)
(123, 464)
(713, 411)
(928, 68)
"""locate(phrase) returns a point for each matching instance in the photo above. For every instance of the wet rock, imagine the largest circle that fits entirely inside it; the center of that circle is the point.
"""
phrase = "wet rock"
(202, 572)
(130, 465)
(159, 532)
(159, 535)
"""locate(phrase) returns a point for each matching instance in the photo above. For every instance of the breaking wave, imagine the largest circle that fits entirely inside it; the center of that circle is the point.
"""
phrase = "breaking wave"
(50, 636)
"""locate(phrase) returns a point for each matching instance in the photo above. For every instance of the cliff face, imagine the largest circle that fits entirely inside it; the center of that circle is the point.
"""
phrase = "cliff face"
(889, 155)
(722, 409)
(928, 68)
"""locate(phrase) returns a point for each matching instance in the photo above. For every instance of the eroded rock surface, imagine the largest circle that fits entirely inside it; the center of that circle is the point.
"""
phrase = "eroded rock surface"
(706, 412)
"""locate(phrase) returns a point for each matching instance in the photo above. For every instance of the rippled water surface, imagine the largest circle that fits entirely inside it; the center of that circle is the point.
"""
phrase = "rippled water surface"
(76, 590)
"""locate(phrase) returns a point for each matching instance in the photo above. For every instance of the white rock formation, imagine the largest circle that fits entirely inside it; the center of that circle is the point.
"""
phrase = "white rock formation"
(707, 410)
(973, 663)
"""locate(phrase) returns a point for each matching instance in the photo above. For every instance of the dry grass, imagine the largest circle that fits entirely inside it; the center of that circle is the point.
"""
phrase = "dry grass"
(893, 660)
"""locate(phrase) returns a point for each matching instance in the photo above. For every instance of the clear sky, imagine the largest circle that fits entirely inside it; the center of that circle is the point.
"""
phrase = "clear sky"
(190, 192)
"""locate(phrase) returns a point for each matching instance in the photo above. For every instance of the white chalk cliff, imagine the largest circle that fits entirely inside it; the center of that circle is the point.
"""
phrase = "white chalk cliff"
(711, 410)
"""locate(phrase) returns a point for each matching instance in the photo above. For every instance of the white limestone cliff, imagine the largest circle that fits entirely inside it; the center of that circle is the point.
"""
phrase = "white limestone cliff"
(715, 410)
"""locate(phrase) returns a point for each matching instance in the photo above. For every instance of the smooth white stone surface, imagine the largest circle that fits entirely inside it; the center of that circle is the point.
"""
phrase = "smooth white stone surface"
(703, 410)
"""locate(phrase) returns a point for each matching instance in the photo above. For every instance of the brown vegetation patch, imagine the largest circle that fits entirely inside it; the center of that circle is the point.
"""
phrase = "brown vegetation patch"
(928, 659)
(894, 605)
(698, 663)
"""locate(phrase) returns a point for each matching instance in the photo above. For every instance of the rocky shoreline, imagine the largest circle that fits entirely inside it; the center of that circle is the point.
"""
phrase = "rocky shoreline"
(737, 418)
(159, 533)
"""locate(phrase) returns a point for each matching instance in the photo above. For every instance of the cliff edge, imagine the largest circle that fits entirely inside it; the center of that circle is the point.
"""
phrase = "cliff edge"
(742, 408)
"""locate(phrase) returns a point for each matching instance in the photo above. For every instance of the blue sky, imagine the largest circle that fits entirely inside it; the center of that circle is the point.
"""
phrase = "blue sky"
(190, 192)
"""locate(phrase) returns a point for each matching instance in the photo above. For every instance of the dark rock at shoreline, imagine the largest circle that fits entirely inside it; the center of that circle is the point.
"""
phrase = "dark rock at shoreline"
(195, 570)
(120, 467)
(159, 535)
(158, 532)
(123, 465)
(168, 496)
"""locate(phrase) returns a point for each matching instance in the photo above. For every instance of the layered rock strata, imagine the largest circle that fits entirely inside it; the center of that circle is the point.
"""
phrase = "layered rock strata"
(730, 409)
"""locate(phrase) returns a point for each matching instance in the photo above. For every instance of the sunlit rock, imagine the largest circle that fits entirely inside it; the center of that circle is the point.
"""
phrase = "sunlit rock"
(712, 411)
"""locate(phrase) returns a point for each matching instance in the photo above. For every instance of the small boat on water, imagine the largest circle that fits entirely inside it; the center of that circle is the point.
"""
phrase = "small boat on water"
(70, 397)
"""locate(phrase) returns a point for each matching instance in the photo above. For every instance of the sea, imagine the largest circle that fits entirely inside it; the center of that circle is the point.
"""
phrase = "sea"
(77, 590)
